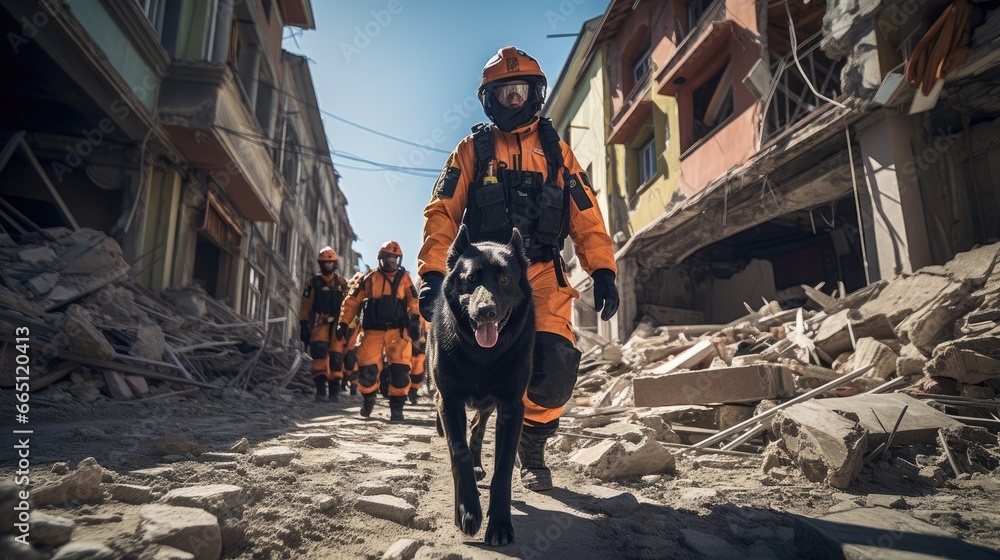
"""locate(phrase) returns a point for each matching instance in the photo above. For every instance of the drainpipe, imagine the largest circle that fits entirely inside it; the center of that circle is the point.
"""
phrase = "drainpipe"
(252, 77)
(223, 26)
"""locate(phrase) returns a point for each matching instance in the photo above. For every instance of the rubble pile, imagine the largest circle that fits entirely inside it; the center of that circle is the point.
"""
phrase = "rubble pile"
(98, 334)
(914, 361)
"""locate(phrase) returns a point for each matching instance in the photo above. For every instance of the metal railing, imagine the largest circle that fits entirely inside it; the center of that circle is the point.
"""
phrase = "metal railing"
(790, 99)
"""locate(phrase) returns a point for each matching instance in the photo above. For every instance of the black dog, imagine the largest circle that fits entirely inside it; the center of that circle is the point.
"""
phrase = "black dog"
(479, 353)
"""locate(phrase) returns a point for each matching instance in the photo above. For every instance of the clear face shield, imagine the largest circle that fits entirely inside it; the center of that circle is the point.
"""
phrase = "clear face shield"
(387, 262)
(327, 267)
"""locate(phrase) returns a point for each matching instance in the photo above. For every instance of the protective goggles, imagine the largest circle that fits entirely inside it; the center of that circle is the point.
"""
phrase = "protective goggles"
(505, 93)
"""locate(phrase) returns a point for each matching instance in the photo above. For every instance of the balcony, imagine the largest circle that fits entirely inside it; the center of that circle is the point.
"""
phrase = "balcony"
(708, 38)
(203, 109)
(634, 112)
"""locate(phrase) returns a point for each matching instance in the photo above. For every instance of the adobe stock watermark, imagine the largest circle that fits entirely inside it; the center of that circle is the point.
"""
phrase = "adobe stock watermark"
(453, 117)
(563, 11)
(366, 32)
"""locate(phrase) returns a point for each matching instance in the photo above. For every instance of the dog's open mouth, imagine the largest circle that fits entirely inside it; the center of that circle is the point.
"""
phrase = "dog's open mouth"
(487, 332)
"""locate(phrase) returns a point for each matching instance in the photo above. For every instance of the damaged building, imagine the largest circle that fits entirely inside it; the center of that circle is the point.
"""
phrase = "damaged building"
(753, 150)
(183, 132)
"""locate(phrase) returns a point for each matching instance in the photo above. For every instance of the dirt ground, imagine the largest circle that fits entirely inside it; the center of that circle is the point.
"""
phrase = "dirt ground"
(306, 510)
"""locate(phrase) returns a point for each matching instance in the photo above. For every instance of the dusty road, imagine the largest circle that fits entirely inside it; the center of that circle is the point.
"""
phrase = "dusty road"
(309, 506)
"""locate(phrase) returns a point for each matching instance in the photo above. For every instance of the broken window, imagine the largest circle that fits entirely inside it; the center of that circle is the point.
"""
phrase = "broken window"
(713, 103)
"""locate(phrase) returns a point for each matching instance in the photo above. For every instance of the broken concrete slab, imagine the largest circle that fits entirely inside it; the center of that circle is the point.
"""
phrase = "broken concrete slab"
(826, 446)
(871, 352)
(117, 385)
(390, 508)
(160, 552)
(929, 325)
(192, 530)
(403, 549)
(50, 531)
(85, 550)
(82, 485)
(131, 493)
(972, 266)
(722, 385)
(834, 337)
(879, 534)
(920, 424)
(701, 352)
(906, 294)
(43, 283)
(217, 499)
(910, 361)
(84, 338)
(610, 459)
(280, 455)
(965, 366)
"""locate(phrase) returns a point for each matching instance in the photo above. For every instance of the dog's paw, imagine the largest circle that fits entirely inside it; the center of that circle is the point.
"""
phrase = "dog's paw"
(499, 533)
(480, 473)
(469, 518)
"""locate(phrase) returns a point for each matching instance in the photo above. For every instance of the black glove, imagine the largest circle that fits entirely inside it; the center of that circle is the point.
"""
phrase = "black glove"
(605, 293)
(430, 287)
(414, 328)
(304, 333)
(341, 333)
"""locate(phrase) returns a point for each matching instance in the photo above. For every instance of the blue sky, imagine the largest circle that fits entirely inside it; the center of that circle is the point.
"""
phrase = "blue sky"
(414, 74)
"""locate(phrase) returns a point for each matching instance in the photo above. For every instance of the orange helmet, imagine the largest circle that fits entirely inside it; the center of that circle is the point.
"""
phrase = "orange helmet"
(390, 247)
(513, 88)
(327, 254)
(510, 62)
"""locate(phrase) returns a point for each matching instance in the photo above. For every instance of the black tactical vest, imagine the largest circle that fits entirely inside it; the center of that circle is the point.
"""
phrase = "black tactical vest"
(532, 202)
(328, 298)
(384, 312)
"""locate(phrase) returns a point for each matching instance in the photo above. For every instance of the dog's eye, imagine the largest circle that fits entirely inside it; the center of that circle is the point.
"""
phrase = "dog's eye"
(504, 278)
(470, 278)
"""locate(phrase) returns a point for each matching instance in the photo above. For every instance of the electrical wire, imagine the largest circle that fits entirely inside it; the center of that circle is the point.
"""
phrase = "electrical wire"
(342, 119)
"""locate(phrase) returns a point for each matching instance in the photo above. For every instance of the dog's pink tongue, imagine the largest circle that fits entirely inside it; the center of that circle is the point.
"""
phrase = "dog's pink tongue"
(486, 334)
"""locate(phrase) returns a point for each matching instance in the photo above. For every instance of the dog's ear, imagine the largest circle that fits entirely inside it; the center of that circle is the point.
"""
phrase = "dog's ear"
(517, 243)
(461, 244)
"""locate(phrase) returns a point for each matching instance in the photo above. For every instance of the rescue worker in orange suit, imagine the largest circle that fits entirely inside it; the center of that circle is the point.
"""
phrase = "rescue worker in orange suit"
(390, 316)
(350, 353)
(518, 173)
(418, 364)
(318, 314)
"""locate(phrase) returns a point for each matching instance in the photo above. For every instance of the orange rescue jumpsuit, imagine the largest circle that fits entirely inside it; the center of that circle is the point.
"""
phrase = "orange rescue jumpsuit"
(390, 340)
(522, 150)
(321, 306)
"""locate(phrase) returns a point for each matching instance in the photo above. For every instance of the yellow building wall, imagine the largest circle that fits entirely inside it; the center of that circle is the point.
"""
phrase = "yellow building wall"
(161, 229)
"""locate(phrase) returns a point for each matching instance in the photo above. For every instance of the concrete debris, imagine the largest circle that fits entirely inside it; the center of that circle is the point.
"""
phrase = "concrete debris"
(218, 499)
(279, 455)
(826, 446)
(748, 384)
(85, 550)
(614, 459)
(403, 549)
(50, 530)
(387, 507)
(192, 530)
(82, 485)
(920, 424)
(74, 287)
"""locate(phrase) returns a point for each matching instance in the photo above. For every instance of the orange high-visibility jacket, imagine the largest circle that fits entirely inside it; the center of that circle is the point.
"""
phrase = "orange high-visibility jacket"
(374, 285)
(519, 150)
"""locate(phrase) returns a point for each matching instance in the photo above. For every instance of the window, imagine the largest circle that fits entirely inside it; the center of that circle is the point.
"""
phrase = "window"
(713, 103)
(255, 281)
(641, 67)
(696, 8)
(647, 161)
(164, 16)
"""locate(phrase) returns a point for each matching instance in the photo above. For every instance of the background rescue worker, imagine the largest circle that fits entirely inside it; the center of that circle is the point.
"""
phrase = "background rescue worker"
(517, 173)
(350, 353)
(417, 364)
(389, 309)
(318, 315)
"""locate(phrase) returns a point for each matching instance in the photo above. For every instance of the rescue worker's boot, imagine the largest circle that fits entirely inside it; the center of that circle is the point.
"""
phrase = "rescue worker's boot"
(534, 474)
(354, 389)
(396, 408)
(367, 404)
(413, 395)
(321, 389)
(334, 390)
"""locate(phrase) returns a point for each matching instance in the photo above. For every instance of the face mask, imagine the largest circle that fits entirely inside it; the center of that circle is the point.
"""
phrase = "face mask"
(389, 264)
(327, 267)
